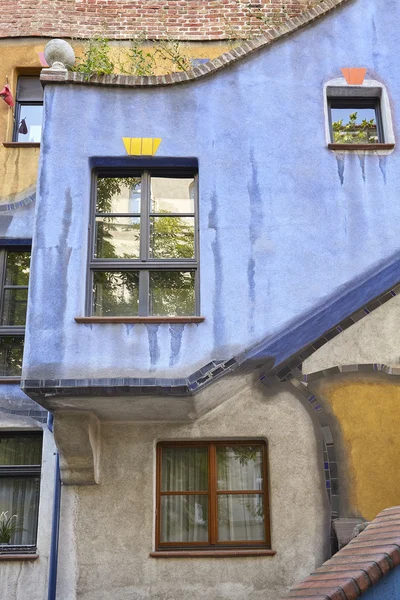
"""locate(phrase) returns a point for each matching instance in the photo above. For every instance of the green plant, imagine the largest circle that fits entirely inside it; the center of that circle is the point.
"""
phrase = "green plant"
(353, 132)
(136, 60)
(8, 527)
(95, 59)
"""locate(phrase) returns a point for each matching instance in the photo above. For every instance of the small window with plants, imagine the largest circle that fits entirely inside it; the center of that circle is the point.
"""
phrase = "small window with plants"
(355, 121)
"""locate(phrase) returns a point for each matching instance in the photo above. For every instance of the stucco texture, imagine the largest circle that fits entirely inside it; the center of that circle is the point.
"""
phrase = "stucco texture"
(374, 339)
(366, 411)
(114, 520)
(285, 224)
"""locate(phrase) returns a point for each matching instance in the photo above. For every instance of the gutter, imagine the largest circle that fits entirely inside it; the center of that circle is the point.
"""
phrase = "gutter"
(55, 527)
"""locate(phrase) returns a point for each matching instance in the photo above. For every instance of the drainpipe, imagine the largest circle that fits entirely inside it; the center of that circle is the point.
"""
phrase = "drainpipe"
(55, 526)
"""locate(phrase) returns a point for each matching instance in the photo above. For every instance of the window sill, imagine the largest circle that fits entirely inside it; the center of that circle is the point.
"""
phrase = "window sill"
(21, 144)
(144, 320)
(358, 147)
(211, 553)
(10, 380)
(14, 556)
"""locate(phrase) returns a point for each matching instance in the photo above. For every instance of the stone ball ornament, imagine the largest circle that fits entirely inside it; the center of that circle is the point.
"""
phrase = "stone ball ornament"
(59, 54)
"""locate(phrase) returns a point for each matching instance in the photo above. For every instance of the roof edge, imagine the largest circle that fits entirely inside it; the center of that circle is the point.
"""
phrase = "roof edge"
(358, 566)
(271, 35)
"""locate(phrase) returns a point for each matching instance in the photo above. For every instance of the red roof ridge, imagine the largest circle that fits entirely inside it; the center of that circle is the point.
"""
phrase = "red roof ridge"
(359, 565)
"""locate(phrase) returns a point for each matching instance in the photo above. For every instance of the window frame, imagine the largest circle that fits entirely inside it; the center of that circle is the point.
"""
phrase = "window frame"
(22, 471)
(352, 101)
(144, 264)
(10, 330)
(25, 102)
(213, 493)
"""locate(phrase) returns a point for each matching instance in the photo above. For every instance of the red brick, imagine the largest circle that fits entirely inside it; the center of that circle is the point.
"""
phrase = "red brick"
(187, 19)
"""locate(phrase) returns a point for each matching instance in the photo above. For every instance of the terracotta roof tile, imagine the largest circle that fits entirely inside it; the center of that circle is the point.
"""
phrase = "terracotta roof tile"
(359, 565)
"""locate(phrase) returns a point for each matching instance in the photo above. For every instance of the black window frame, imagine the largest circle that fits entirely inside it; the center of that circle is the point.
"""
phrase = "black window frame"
(26, 100)
(357, 102)
(22, 471)
(9, 331)
(144, 264)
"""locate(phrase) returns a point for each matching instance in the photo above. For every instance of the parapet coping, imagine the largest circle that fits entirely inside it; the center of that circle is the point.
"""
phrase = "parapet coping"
(271, 35)
(358, 566)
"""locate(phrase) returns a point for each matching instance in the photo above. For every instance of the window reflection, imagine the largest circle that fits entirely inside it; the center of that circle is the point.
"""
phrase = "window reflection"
(30, 123)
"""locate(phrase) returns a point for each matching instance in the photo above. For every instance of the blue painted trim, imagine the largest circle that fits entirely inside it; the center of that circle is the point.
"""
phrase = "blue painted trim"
(296, 337)
(142, 162)
(6, 242)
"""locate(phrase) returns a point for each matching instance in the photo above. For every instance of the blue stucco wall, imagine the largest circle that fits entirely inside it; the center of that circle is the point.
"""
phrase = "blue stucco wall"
(387, 588)
(285, 226)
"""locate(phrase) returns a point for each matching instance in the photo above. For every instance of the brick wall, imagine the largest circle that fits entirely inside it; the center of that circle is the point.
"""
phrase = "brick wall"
(119, 19)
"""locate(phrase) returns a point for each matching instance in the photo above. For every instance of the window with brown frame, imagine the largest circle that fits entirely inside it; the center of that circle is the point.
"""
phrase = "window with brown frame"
(212, 495)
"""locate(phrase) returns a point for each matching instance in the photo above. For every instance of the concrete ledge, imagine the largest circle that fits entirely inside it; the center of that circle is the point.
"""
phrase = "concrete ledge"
(19, 557)
(211, 553)
(77, 435)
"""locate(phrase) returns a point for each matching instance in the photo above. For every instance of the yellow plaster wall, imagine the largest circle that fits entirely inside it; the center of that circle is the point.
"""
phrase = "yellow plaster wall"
(368, 414)
(18, 166)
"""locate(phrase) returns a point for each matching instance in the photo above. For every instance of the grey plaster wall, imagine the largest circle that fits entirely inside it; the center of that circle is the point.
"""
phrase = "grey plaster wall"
(27, 580)
(113, 522)
(374, 339)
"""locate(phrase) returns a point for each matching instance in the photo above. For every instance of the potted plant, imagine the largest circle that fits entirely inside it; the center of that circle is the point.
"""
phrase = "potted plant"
(8, 527)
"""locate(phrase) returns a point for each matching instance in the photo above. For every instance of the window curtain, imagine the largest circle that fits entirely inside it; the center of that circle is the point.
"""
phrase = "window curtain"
(20, 496)
(184, 518)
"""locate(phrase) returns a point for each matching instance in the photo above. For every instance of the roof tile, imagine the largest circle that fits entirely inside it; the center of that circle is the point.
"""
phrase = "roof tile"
(359, 565)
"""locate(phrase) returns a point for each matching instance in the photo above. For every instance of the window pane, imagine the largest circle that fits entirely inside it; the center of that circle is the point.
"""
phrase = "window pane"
(11, 350)
(239, 468)
(30, 125)
(240, 517)
(172, 293)
(29, 88)
(21, 450)
(117, 237)
(171, 237)
(116, 293)
(118, 195)
(14, 307)
(184, 518)
(354, 126)
(171, 195)
(20, 496)
(17, 271)
(184, 470)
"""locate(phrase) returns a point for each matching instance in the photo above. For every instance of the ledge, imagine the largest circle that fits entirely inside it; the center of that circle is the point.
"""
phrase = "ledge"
(21, 144)
(4, 380)
(19, 556)
(211, 553)
(139, 319)
(271, 35)
(358, 147)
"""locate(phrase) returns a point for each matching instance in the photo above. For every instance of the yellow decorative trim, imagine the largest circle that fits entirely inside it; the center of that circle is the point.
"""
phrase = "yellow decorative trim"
(141, 146)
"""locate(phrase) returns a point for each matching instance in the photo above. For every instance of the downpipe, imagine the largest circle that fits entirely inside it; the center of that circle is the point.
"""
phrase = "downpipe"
(55, 526)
